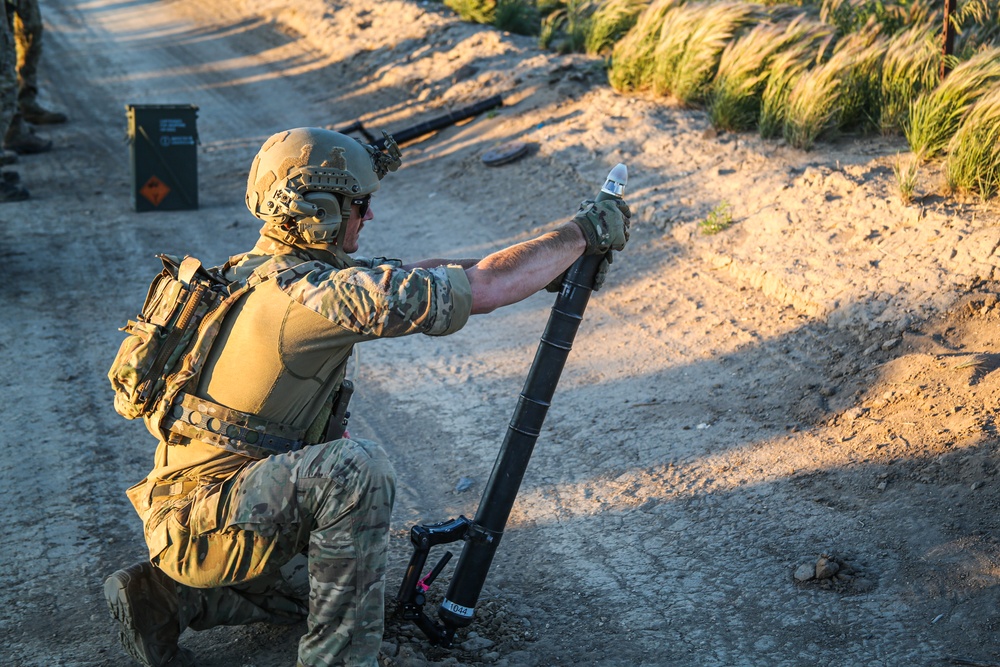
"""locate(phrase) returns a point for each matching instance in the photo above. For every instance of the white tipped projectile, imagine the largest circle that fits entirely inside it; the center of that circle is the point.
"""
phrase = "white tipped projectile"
(617, 178)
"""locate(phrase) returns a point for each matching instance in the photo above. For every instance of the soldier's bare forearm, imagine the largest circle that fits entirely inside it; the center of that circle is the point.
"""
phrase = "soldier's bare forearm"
(517, 272)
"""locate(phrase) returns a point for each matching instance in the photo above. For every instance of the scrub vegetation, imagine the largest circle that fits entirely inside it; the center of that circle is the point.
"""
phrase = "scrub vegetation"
(805, 71)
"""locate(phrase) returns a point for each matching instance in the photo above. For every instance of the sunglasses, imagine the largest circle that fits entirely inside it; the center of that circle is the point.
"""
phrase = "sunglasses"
(362, 203)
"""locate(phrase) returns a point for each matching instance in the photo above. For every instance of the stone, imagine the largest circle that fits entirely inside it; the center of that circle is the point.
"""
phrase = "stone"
(826, 568)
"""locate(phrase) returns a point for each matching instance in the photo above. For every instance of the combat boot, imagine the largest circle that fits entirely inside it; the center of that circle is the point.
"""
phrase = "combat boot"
(7, 157)
(22, 139)
(36, 114)
(147, 606)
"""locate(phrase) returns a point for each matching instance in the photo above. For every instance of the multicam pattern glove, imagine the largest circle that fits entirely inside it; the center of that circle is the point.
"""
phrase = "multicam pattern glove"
(604, 224)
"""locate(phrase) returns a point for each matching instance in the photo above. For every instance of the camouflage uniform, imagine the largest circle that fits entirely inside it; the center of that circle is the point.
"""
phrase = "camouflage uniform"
(24, 22)
(232, 525)
(8, 73)
(28, 36)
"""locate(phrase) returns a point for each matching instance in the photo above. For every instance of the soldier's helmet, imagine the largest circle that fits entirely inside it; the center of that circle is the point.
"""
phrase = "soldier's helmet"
(303, 180)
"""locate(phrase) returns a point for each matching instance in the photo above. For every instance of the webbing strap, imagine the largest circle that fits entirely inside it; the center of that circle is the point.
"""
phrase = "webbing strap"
(231, 430)
(173, 488)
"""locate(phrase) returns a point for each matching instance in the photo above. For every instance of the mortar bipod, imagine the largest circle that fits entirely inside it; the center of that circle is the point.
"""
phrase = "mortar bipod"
(412, 593)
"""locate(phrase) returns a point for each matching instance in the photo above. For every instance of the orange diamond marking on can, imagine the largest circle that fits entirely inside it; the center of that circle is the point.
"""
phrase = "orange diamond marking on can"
(154, 190)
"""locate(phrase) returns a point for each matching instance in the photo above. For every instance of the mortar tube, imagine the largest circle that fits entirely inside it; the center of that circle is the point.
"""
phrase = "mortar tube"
(483, 538)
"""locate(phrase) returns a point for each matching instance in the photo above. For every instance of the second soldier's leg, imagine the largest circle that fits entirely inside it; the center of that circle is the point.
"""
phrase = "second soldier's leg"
(28, 35)
(10, 186)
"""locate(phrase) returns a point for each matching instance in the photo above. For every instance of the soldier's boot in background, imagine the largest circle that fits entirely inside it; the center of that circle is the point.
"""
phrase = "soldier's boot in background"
(7, 157)
(147, 605)
(36, 114)
(22, 139)
(11, 188)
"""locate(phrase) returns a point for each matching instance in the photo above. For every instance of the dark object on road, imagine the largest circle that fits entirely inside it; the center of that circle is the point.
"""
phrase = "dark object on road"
(427, 127)
(505, 153)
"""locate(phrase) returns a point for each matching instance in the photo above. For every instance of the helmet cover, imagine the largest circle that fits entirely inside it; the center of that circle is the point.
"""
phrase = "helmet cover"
(304, 160)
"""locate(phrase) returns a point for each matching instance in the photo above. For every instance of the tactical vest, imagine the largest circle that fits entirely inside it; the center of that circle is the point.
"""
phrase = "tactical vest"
(165, 350)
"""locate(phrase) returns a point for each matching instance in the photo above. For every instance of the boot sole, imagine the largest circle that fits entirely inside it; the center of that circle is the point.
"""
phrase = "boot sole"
(116, 595)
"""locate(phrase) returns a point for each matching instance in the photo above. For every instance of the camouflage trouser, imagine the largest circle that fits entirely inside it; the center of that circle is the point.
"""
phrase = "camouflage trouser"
(334, 499)
(8, 72)
(28, 37)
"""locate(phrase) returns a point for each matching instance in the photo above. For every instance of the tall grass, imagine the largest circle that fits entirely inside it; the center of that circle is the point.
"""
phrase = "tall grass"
(786, 69)
(692, 39)
(909, 68)
(936, 114)
(973, 162)
(676, 29)
(837, 94)
(978, 26)
(736, 92)
(610, 22)
(632, 58)
(854, 15)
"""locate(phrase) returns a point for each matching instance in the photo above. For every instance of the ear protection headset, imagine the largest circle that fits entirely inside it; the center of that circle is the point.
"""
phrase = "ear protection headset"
(324, 223)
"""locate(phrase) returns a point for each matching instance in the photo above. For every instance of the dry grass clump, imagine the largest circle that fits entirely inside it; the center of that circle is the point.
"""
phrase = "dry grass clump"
(973, 162)
(746, 65)
(936, 114)
(610, 22)
(864, 66)
(786, 69)
(692, 39)
(906, 177)
(632, 58)
(909, 68)
(840, 93)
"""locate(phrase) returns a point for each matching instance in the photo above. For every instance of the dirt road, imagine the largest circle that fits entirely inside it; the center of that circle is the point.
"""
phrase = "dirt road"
(818, 380)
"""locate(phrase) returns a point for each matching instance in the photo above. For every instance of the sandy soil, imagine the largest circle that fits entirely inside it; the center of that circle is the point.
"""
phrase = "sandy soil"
(813, 386)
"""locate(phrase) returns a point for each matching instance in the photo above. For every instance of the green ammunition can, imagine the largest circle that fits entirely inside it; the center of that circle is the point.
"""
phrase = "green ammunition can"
(163, 151)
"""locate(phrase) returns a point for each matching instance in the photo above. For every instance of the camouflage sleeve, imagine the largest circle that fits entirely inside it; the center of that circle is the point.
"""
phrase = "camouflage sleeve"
(384, 301)
(372, 262)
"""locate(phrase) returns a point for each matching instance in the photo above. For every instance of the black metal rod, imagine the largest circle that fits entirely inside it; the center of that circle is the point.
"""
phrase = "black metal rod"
(432, 125)
(444, 121)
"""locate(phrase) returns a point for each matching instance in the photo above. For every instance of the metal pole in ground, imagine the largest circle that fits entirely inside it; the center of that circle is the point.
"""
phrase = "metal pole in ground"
(948, 37)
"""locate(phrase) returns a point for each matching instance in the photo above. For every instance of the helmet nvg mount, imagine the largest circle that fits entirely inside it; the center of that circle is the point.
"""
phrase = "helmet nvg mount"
(302, 180)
